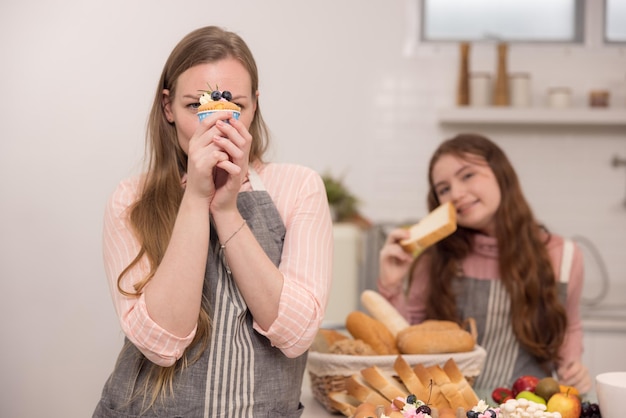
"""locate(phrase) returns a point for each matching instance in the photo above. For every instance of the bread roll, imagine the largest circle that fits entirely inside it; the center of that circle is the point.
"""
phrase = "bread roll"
(351, 347)
(373, 332)
(437, 225)
(435, 337)
(325, 338)
(383, 311)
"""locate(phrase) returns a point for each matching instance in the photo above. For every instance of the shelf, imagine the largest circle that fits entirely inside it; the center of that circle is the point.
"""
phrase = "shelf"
(533, 116)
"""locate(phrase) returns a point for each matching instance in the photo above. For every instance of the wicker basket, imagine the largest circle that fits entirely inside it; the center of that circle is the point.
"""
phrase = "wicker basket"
(329, 371)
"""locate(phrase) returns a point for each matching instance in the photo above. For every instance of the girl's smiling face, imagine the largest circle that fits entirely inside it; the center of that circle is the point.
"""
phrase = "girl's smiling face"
(470, 184)
(228, 74)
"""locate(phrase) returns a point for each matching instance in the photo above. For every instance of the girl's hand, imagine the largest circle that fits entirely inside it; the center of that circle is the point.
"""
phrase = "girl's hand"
(394, 261)
(575, 374)
(234, 140)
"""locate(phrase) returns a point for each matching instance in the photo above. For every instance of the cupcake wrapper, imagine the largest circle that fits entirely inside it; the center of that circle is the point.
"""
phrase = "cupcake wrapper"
(202, 115)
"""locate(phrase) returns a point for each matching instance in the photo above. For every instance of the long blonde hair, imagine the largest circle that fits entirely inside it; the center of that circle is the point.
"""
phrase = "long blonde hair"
(152, 216)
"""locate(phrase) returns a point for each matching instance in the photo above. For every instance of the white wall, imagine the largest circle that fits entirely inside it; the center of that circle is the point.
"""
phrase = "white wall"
(77, 78)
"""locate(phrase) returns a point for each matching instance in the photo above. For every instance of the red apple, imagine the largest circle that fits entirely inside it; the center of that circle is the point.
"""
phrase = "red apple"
(523, 383)
(567, 404)
(501, 395)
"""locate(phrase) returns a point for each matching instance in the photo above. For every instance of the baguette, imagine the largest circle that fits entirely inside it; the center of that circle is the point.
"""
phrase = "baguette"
(380, 309)
(371, 331)
(437, 225)
(384, 383)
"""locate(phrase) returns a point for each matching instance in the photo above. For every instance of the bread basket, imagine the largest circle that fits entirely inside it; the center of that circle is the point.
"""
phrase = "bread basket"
(328, 371)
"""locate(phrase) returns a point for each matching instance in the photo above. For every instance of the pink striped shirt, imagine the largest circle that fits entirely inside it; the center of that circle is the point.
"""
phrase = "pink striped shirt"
(306, 264)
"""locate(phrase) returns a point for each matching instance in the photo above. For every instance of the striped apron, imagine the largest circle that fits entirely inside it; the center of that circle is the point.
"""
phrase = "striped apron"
(488, 302)
(239, 374)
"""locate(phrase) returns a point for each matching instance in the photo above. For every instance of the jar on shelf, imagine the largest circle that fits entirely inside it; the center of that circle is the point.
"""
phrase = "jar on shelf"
(520, 89)
(480, 89)
(599, 98)
(559, 97)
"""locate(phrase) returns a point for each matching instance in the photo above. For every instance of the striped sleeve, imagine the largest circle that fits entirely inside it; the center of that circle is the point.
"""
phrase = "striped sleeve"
(306, 263)
(119, 248)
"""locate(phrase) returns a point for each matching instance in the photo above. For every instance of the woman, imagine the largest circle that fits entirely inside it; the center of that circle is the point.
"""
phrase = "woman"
(219, 263)
(499, 267)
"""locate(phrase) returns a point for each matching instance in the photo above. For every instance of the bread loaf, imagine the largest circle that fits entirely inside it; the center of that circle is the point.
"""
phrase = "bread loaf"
(435, 337)
(380, 309)
(437, 225)
(373, 332)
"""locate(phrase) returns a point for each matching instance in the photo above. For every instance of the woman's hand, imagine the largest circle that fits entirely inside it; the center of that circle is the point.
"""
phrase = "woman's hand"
(394, 261)
(575, 374)
(234, 140)
(218, 160)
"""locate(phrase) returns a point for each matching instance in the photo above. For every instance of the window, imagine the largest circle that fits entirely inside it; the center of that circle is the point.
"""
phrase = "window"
(504, 20)
(615, 21)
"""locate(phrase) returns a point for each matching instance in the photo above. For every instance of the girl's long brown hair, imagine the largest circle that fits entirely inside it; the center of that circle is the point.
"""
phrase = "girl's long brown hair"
(538, 319)
(154, 213)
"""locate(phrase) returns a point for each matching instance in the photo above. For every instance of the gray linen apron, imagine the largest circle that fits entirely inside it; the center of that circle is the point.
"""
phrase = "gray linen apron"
(239, 374)
(488, 302)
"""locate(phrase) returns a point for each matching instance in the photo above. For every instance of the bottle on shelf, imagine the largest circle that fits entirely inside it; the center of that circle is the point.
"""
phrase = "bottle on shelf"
(463, 90)
(501, 85)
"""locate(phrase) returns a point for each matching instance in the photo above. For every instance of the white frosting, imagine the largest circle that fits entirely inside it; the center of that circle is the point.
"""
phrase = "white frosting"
(205, 98)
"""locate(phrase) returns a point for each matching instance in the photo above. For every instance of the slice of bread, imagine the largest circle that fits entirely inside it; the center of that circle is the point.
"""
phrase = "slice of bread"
(358, 388)
(385, 383)
(410, 379)
(437, 398)
(344, 403)
(449, 389)
(434, 227)
(465, 389)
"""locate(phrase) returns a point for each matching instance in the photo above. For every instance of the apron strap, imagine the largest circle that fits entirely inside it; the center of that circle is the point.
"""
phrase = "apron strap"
(566, 260)
(255, 180)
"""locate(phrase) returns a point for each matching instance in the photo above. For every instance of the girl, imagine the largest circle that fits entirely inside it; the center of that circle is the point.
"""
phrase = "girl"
(500, 267)
(219, 263)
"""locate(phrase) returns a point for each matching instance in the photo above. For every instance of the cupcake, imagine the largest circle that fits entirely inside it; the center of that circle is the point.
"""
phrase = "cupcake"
(217, 101)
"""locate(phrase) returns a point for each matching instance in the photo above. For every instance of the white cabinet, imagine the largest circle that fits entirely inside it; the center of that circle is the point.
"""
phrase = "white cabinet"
(604, 351)
(344, 293)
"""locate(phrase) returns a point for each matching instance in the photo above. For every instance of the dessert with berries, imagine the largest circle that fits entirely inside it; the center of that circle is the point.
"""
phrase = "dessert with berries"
(214, 100)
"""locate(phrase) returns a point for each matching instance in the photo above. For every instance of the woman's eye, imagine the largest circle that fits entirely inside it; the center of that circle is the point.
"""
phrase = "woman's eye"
(468, 175)
(193, 106)
(443, 190)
